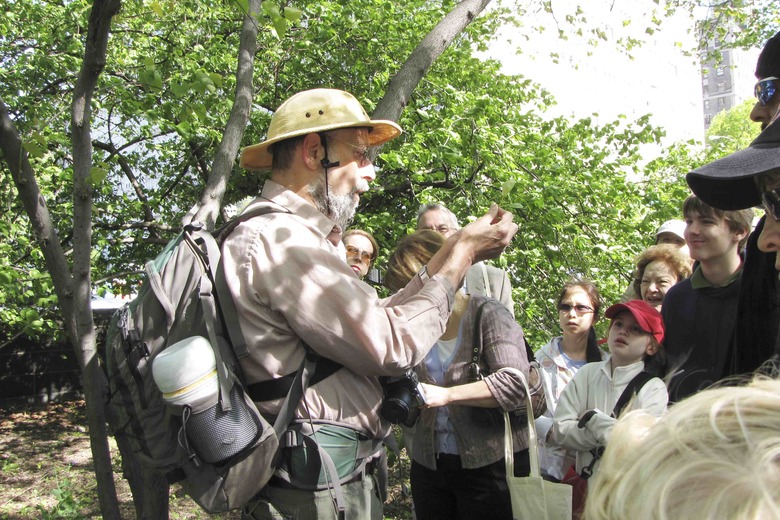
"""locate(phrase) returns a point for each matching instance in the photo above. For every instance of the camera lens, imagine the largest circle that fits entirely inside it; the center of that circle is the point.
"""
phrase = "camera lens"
(396, 408)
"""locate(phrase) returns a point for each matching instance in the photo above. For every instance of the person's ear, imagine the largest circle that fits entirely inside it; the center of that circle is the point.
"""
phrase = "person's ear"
(312, 151)
(741, 234)
(652, 348)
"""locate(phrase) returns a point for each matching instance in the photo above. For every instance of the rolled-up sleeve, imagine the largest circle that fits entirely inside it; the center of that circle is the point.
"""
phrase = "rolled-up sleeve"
(503, 345)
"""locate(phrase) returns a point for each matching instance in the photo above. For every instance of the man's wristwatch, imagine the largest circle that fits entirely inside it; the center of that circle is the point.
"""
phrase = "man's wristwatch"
(423, 274)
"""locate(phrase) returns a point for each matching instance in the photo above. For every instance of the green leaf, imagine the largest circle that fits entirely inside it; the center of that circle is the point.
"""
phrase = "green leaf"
(184, 129)
(292, 14)
(34, 149)
(280, 26)
(157, 8)
(179, 89)
(243, 5)
(506, 187)
(97, 175)
(151, 78)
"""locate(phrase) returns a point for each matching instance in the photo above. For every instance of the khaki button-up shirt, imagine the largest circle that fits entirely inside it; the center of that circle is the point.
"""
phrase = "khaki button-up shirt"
(290, 282)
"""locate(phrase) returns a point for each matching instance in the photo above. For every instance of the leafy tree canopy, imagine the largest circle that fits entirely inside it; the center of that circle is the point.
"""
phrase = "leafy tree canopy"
(472, 136)
(732, 130)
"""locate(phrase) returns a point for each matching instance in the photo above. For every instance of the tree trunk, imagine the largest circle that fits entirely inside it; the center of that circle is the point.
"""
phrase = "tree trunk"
(92, 376)
(100, 18)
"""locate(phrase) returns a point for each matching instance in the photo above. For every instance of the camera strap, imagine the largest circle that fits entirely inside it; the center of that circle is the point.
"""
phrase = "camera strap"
(474, 372)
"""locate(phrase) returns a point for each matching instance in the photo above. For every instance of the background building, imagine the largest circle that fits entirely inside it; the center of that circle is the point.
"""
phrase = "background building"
(606, 82)
(728, 82)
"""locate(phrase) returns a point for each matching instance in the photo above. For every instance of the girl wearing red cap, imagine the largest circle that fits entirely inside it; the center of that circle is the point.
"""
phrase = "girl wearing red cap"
(586, 411)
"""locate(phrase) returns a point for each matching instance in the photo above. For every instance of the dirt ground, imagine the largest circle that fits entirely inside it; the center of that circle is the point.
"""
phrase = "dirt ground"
(46, 470)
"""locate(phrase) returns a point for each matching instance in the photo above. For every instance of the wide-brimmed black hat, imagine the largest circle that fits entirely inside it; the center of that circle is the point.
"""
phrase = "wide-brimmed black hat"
(728, 183)
(768, 63)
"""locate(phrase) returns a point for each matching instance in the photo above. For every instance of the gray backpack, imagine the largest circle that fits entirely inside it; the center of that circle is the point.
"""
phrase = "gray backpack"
(224, 453)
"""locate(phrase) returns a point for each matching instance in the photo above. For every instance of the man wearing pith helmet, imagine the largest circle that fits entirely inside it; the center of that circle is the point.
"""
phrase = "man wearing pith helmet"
(292, 289)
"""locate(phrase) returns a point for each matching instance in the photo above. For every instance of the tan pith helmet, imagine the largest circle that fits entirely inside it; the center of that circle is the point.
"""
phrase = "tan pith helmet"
(312, 111)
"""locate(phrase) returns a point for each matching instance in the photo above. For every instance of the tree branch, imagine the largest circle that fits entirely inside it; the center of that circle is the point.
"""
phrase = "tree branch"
(34, 204)
(207, 209)
(401, 86)
(128, 171)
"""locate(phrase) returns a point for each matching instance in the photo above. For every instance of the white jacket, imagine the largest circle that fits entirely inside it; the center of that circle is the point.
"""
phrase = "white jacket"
(595, 387)
(554, 460)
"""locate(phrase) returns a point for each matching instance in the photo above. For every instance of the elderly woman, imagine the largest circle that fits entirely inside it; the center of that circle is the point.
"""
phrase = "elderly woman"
(657, 269)
(457, 444)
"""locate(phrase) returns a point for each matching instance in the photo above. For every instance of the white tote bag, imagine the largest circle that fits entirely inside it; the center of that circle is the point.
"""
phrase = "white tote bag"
(533, 498)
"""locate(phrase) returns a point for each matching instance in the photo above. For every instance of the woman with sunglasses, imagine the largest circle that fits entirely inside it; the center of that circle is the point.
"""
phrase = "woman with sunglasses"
(361, 250)
(578, 310)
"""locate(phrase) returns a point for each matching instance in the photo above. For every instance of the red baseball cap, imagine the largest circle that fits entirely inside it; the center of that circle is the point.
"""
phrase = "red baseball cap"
(646, 316)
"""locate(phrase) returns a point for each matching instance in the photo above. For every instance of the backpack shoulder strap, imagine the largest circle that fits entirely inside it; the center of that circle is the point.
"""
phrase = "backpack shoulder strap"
(278, 388)
(633, 388)
(317, 368)
(225, 300)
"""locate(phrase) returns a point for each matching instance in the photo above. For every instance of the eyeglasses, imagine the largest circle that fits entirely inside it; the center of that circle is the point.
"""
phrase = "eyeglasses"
(579, 309)
(771, 202)
(365, 256)
(441, 229)
(765, 89)
(361, 152)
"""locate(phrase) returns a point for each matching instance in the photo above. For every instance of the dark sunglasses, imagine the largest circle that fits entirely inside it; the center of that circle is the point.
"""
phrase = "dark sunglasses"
(765, 89)
(579, 309)
(771, 202)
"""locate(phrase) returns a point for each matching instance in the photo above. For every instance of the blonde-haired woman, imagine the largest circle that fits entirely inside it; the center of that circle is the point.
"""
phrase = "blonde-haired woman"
(457, 444)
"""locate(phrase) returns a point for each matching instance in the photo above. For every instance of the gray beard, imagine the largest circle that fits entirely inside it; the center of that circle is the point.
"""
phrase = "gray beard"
(342, 207)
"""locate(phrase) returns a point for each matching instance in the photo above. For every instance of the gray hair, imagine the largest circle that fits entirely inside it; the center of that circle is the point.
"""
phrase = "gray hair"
(435, 206)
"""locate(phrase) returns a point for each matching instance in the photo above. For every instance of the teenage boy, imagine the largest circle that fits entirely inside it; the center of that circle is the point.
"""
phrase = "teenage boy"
(742, 180)
(699, 312)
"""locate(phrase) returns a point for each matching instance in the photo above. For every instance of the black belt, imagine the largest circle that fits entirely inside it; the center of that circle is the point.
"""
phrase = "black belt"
(279, 387)
(448, 461)
(368, 470)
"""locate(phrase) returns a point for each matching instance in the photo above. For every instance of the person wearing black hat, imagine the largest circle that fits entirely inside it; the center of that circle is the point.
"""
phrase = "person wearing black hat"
(768, 76)
(294, 295)
(742, 180)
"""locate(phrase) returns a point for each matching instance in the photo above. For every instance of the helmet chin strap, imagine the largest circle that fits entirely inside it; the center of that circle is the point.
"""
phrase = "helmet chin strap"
(326, 164)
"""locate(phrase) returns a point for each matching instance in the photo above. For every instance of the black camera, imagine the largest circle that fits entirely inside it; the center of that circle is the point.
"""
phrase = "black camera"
(403, 397)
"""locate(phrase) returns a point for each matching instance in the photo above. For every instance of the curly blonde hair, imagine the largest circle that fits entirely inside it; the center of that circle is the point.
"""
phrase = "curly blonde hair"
(714, 455)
